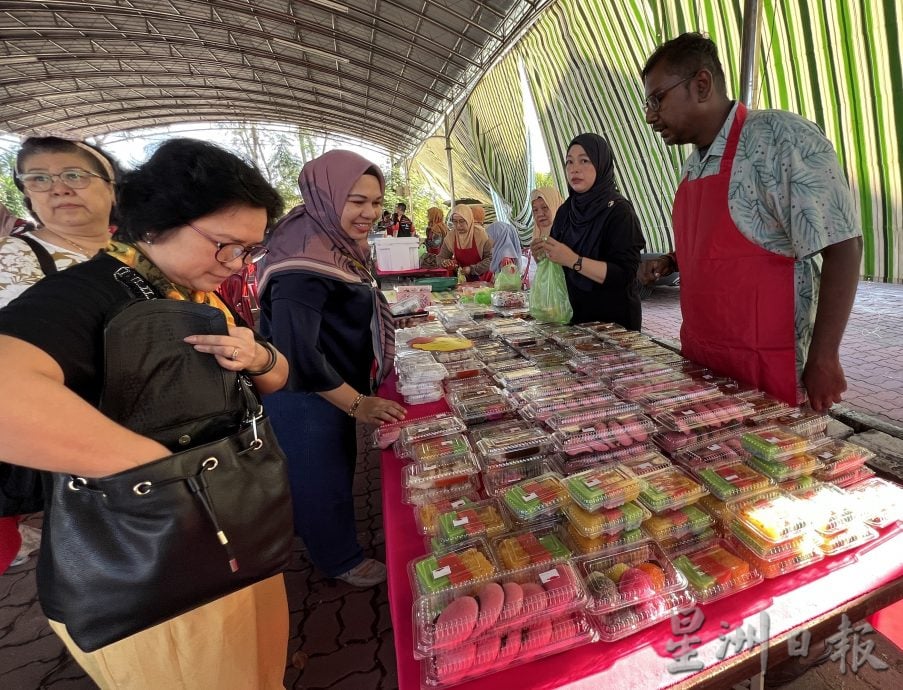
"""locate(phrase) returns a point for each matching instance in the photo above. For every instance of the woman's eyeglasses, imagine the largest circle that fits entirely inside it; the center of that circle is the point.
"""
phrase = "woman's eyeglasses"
(653, 102)
(76, 178)
(227, 252)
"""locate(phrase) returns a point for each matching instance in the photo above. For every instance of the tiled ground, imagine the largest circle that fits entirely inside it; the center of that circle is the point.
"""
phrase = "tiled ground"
(342, 637)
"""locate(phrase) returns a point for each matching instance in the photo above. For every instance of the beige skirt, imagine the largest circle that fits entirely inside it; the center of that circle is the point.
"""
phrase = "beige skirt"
(238, 642)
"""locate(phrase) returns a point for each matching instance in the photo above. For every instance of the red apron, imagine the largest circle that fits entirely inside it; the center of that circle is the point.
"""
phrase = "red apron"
(737, 298)
(469, 257)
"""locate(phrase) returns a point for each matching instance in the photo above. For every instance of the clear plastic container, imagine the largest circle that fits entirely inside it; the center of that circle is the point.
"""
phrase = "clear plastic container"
(852, 537)
(501, 477)
(803, 421)
(630, 620)
(466, 564)
(424, 397)
(440, 451)
(772, 569)
(674, 524)
(511, 363)
(464, 395)
(688, 541)
(473, 383)
(729, 479)
(415, 496)
(641, 458)
(669, 489)
(765, 408)
(733, 387)
(725, 450)
(603, 436)
(718, 411)
(682, 393)
(386, 434)
(496, 352)
(463, 352)
(880, 501)
(415, 476)
(564, 401)
(769, 550)
(534, 375)
(508, 300)
(549, 360)
(774, 515)
(838, 457)
(641, 370)
(485, 408)
(483, 519)
(674, 441)
(775, 444)
(535, 498)
(512, 444)
(465, 368)
(604, 487)
(475, 332)
(715, 507)
(578, 343)
(523, 338)
(425, 515)
(628, 576)
(604, 542)
(422, 372)
(500, 426)
(589, 415)
(832, 509)
(635, 389)
(716, 570)
(853, 477)
(608, 362)
(536, 545)
(624, 518)
(492, 653)
(786, 468)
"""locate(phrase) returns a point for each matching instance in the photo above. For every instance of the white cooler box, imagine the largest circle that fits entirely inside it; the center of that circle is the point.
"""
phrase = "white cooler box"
(397, 253)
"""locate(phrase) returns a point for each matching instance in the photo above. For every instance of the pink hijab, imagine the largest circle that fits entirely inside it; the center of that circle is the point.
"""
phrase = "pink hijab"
(310, 239)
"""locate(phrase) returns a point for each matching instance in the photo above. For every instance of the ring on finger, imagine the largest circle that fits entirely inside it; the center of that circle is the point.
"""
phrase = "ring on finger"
(234, 354)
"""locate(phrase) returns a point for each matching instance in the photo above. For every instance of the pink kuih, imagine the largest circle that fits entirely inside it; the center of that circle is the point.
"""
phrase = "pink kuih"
(456, 622)
(635, 583)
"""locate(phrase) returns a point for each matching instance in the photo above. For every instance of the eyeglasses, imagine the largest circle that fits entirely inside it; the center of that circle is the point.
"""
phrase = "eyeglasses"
(76, 178)
(227, 252)
(653, 101)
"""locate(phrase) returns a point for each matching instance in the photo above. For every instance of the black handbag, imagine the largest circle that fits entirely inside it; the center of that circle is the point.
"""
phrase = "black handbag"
(128, 551)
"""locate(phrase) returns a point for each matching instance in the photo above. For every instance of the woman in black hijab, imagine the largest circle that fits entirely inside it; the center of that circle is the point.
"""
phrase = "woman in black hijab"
(596, 237)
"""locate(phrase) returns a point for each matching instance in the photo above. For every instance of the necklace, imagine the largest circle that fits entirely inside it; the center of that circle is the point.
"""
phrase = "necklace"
(66, 239)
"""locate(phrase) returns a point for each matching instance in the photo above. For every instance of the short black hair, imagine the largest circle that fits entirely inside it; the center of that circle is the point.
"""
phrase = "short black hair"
(404, 206)
(386, 213)
(186, 179)
(686, 55)
(36, 145)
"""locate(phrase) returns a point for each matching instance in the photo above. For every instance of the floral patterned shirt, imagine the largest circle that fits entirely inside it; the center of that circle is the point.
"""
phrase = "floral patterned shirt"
(19, 267)
(788, 195)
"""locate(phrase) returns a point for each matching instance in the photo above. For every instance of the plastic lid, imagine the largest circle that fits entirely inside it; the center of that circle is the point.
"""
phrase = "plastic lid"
(537, 497)
(682, 393)
(803, 421)
(832, 509)
(635, 389)
(726, 450)
(839, 456)
(773, 514)
(668, 489)
(730, 479)
(854, 536)
(466, 564)
(429, 427)
(550, 406)
(536, 545)
(711, 413)
(769, 550)
(673, 524)
(483, 519)
(786, 468)
(484, 408)
(499, 477)
(673, 441)
(586, 415)
(386, 434)
(880, 501)
(641, 458)
(604, 542)
(512, 444)
(624, 518)
(775, 444)
(603, 435)
(716, 570)
(426, 514)
(440, 451)
(415, 476)
(629, 620)
(599, 488)
(413, 495)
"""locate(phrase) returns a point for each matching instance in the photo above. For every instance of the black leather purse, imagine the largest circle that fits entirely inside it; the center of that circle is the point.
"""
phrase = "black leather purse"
(130, 550)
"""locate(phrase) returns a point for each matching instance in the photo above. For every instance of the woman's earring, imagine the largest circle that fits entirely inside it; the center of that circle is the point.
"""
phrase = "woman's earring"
(148, 238)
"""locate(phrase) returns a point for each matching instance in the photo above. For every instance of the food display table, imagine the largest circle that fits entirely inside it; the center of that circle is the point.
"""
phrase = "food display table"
(813, 600)
(389, 279)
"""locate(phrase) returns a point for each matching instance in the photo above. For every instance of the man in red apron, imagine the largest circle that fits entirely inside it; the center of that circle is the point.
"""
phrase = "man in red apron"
(761, 198)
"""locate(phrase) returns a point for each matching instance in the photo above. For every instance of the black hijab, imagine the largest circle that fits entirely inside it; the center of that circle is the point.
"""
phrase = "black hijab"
(583, 211)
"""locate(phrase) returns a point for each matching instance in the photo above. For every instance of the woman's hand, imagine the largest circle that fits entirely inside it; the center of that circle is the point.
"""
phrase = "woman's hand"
(558, 252)
(376, 410)
(537, 248)
(236, 352)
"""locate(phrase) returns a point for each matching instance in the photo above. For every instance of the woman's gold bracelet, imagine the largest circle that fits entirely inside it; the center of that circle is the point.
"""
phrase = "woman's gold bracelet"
(355, 404)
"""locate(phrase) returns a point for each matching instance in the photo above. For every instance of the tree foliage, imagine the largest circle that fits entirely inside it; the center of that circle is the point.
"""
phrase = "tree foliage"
(9, 195)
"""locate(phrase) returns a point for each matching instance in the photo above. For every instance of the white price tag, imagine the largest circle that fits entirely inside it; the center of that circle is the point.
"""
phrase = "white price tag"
(714, 446)
(457, 504)
(445, 443)
(549, 575)
(687, 413)
(587, 430)
(460, 521)
(530, 496)
(773, 439)
(796, 415)
(442, 572)
(732, 477)
(590, 483)
(644, 466)
(827, 455)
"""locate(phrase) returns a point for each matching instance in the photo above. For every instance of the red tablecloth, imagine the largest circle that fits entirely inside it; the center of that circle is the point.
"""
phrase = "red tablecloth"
(638, 661)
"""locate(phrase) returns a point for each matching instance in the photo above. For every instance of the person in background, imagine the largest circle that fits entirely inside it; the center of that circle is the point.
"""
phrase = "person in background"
(405, 224)
(190, 216)
(766, 231)
(436, 231)
(8, 220)
(596, 237)
(384, 223)
(467, 248)
(322, 307)
(545, 202)
(69, 187)
(506, 249)
(479, 215)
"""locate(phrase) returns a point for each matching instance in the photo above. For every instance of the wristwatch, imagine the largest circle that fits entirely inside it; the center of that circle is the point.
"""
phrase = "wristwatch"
(578, 264)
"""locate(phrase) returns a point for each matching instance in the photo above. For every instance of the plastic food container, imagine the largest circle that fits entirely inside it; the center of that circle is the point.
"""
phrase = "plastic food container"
(630, 620)
(591, 415)
(853, 477)
(415, 476)
(479, 382)
(413, 495)
(499, 426)
(467, 564)
(713, 412)
(485, 408)
(546, 543)
(831, 509)
(803, 421)
(563, 401)
(602, 487)
(624, 518)
(629, 576)
(674, 524)
(773, 514)
(769, 550)
(535, 498)
(730, 479)
(498, 652)
(386, 434)
(508, 300)
(500, 477)
(464, 368)
(640, 458)
(786, 468)
(601, 436)
(426, 514)
(850, 538)
(533, 375)
(463, 395)
(733, 387)
(604, 542)
(687, 541)
(673, 441)
(682, 393)
(512, 444)
(726, 450)
(669, 489)
(440, 451)
(765, 408)
(636, 389)
(775, 444)
(483, 519)
(839, 457)
(475, 332)
(495, 352)
(716, 570)
(772, 569)
(880, 501)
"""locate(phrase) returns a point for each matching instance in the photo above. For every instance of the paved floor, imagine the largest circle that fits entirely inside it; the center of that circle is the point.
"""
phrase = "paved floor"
(342, 637)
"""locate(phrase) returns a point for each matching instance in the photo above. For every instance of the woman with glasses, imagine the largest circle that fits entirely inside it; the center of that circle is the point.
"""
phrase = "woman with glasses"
(191, 216)
(596, 237)
(321, 306)
(69, 188)
(467, 247)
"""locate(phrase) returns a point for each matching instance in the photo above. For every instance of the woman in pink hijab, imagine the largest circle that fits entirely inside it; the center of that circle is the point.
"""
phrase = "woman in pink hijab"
(322, 308)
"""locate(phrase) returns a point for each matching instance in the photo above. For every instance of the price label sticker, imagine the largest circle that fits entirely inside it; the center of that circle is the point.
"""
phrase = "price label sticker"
(460, 521)
(773, 439)
(442, 572)
(590, 483)
(796, 415)
(644, 466)
(530, 496)
(827, 455)
(714, 446)
(459, 503)
(587, 430)
(732, 477)
(687, 413)
(549, 575)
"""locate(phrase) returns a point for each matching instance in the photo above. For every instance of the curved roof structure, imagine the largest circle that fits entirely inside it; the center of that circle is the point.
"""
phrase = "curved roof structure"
(382, 71)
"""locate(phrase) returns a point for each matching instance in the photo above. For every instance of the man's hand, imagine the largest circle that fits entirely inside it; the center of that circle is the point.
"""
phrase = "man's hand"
(652, 269)
(824, 382)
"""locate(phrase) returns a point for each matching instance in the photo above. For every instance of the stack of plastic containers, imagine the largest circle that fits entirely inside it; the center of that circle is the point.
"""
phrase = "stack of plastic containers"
(509, 453)
(535, 500)
(804, 422)
(420, 377)
(772, 531)
(880, 501)
(835, 517)
(781, 454)
(715, 570)
(443, 465)
(843, 463)
(671, 494)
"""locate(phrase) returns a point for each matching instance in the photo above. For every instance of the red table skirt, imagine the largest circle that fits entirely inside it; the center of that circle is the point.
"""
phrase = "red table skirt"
(638, 661)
